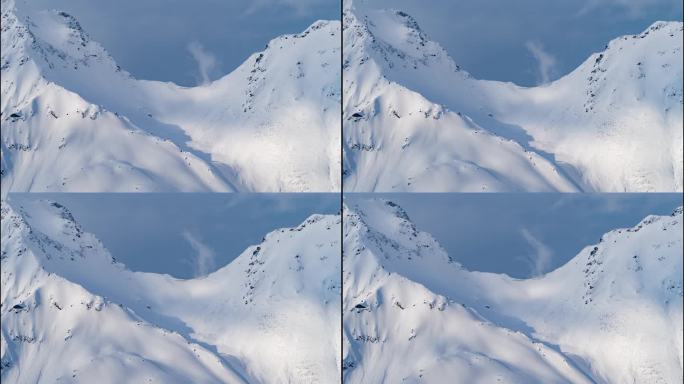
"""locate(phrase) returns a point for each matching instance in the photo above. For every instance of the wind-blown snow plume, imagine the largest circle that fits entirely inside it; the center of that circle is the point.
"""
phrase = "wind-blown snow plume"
(258, 128)
(412, 313)
(546, 63)
(541, 258)
(205, 259)
(71, 298)
(206, 62)
(614, 124)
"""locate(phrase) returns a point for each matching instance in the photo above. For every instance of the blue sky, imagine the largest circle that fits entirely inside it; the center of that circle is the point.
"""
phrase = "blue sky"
(523, 235)
(188, 234)
(529, 41)
(185, 234)
(525, 41)
(163, 39)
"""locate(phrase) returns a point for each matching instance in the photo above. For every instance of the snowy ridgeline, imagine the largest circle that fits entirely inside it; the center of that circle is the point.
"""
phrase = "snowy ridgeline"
(613, 124)
(72, 313)
(413, 314)
(73, 120)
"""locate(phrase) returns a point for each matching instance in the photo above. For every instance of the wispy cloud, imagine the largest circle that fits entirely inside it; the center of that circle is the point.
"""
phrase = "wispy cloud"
(592, 204)
(285, 205)
(546, 62)
(205, 259)
(540, 260)
(206, 61)
(301, 7)
(633, 8)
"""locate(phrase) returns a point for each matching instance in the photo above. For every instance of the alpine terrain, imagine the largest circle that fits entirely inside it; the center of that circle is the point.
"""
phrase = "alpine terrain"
(270, 316)
(413, 314)
(73, 120)
(415, 121)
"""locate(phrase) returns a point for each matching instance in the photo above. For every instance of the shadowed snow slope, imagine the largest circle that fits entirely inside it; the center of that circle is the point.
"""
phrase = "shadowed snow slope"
(72, 120)
(613, 124)
(613, 314)
(270, 316)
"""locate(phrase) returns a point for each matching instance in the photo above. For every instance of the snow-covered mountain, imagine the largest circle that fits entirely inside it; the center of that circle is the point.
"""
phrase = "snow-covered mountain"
(412, 313)
(613, 124)
(73, 120)
(270, 316)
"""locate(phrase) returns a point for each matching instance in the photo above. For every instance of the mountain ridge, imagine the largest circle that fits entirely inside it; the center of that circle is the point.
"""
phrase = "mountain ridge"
(284, 291)
(555, 137)
(195, 127)
(578, 316)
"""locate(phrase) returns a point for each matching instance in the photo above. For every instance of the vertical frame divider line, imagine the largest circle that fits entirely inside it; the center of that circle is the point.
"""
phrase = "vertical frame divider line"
(341, 191)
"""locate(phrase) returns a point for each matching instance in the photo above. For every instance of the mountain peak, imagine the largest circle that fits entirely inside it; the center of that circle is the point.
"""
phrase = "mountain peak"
(394, 39)
(58, 239)
(54, 39)
(669, 27)
(290, 282)
(558, 135)
(384, 227)
(409, 308)
(282, 103)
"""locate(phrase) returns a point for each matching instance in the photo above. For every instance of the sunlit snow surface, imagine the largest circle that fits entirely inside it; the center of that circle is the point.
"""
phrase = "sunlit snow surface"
(412, 313)
(72, 120)
(72, 312)
(415, 121)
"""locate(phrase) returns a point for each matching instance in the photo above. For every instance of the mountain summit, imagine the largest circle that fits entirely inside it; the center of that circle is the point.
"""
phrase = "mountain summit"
(412, 313)
(64, 294)
(73, 120)
(614, 124)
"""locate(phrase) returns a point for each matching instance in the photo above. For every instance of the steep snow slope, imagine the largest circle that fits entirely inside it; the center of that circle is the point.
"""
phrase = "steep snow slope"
(613, 314)
(270, 316)
(618, 117)
(72, 120)
(430, 147)
(613, 124)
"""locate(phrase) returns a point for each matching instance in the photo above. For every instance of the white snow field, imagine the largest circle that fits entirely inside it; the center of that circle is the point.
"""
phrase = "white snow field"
(72, 313)
(73, 120)
(416, 121)
(413, 314)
